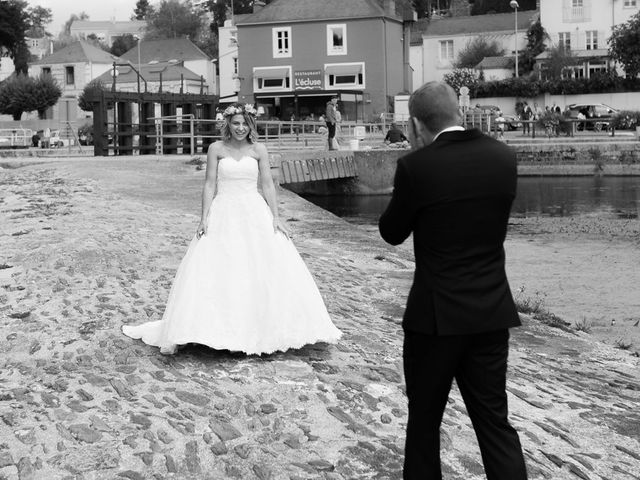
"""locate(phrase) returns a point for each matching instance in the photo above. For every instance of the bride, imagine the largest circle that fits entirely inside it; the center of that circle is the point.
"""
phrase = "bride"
(241, 286)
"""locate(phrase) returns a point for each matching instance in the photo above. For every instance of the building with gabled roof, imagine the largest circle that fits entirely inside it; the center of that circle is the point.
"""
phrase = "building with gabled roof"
(496, 68)
(435, 44)
(73, 67)
(293, 55)
(108, 30)
(170, 77)
(176, 50)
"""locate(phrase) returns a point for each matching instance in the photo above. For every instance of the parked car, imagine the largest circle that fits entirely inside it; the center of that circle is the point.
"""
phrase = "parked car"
(598, 115)
(512, 122)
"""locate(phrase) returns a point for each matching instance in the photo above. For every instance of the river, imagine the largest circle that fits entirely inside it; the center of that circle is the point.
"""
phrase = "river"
(537, 196)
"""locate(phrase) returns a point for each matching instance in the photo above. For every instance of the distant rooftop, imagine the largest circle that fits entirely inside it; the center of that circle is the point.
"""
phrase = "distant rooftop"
(151, 73)
(77, 52)
(286, 11)
(496, 62)
(164, 50)
(473, 24)
(115, 27)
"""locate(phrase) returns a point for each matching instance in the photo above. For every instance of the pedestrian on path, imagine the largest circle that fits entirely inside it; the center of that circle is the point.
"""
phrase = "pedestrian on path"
(242, 286)
(332, 120)
(454, 193)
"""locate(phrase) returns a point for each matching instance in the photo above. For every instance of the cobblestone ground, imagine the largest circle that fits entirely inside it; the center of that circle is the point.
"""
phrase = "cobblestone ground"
(89, 245)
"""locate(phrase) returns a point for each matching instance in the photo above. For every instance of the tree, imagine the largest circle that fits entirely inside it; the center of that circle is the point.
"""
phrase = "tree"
(222, 9)
(536, 36)
(475, 50)
(559, 59)
(46, 93)
(624, 45)
(14, 23)
(482, 7)
(39, 18)
(16, 94)
(66, 29)
(143, 10)
(123, 44)
(422, 7)
(173, 19)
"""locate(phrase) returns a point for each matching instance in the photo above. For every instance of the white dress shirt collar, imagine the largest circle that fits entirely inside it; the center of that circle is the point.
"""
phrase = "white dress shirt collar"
(454, 128)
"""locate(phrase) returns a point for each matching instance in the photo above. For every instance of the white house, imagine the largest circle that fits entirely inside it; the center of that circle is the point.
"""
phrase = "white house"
(73, 67)
(436, 43)
(175, 50)
(228, 81)
(584, 26)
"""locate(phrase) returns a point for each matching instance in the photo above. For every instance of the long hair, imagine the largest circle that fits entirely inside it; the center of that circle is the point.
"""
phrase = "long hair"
(249, 114)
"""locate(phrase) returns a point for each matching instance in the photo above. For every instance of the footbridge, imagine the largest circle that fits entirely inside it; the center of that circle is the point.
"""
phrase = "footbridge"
(314, 166)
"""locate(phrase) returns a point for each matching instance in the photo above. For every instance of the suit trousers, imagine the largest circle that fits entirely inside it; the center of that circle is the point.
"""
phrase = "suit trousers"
(478, 363)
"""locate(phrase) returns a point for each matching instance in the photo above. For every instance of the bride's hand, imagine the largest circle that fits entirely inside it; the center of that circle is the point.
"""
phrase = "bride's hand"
(279, 225)
(202, 230)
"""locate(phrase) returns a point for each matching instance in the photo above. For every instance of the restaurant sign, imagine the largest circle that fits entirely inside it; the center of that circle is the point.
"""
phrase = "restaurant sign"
(307, 80)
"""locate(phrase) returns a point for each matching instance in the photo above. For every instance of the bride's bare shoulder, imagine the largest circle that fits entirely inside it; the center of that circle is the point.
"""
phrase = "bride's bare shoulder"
(217, 149)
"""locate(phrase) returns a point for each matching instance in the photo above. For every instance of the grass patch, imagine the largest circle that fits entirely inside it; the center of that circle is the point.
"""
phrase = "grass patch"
(583, 326)
(622, 344)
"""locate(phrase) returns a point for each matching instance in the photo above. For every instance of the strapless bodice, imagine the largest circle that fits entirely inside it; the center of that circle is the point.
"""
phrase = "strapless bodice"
(237, 176)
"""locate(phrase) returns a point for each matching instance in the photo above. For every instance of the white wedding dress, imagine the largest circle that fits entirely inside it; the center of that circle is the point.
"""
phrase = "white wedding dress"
(241, 287)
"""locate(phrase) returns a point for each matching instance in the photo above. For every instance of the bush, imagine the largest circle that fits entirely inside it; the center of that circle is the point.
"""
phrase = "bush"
(524, 87)
(626, 120)
(90, 93)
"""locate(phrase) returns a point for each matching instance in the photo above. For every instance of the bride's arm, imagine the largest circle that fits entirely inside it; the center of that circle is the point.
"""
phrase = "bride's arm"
(210, 185)
(268, 188)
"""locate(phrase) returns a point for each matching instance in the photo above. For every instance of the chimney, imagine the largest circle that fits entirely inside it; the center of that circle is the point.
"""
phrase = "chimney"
(390, 8)
(258, 5)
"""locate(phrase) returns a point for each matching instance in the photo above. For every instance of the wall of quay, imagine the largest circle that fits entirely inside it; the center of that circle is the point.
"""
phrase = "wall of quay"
(375, 168)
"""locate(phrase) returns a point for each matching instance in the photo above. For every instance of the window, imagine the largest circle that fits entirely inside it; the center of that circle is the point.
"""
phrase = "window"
(446, 50)
(592, 40)
(337, 39)
(281, 42)
(564, 40)
(46, 70)
(344, 75)
(576, 11)
(630, 3)
(235, 65)
(272, 78)
(70, 78)
(577, 3)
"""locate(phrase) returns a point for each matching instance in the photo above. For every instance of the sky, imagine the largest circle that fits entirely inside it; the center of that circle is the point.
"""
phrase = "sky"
(96, 9)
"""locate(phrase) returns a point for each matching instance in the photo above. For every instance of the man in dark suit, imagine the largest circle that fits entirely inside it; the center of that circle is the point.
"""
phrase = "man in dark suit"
(454, 193)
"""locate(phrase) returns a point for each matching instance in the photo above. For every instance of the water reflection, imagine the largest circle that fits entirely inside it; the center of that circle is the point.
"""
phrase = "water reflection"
(537, 196)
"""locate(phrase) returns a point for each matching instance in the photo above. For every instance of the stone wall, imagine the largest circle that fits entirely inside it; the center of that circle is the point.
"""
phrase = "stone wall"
(375, 168)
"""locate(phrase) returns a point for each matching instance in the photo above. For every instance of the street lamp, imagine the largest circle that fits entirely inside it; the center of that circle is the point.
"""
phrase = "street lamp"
(514, 4)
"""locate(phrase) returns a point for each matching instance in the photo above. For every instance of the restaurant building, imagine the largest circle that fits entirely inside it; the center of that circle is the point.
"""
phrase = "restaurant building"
(293, 55)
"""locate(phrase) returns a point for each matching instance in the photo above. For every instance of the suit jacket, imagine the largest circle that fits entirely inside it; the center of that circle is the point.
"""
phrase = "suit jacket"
(455, 196)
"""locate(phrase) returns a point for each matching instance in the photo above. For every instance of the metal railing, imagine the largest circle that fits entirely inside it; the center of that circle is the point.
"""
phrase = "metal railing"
(189, 131)
(15, 137)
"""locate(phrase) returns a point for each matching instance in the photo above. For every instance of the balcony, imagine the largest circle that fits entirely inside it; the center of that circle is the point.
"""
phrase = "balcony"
(572, 14)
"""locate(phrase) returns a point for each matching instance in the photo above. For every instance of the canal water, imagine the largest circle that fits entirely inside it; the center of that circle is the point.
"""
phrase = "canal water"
(537, 196)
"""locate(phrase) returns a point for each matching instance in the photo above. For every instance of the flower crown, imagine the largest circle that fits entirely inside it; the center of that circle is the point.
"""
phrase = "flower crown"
(247, 108)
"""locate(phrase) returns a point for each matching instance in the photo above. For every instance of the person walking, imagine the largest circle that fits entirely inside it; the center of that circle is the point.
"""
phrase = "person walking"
(454, 193)
(527, 116)
(332, 120)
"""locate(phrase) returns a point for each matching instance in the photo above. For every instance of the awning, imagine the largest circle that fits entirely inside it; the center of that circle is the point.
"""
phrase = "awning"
(271, 72)
(344, 69)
